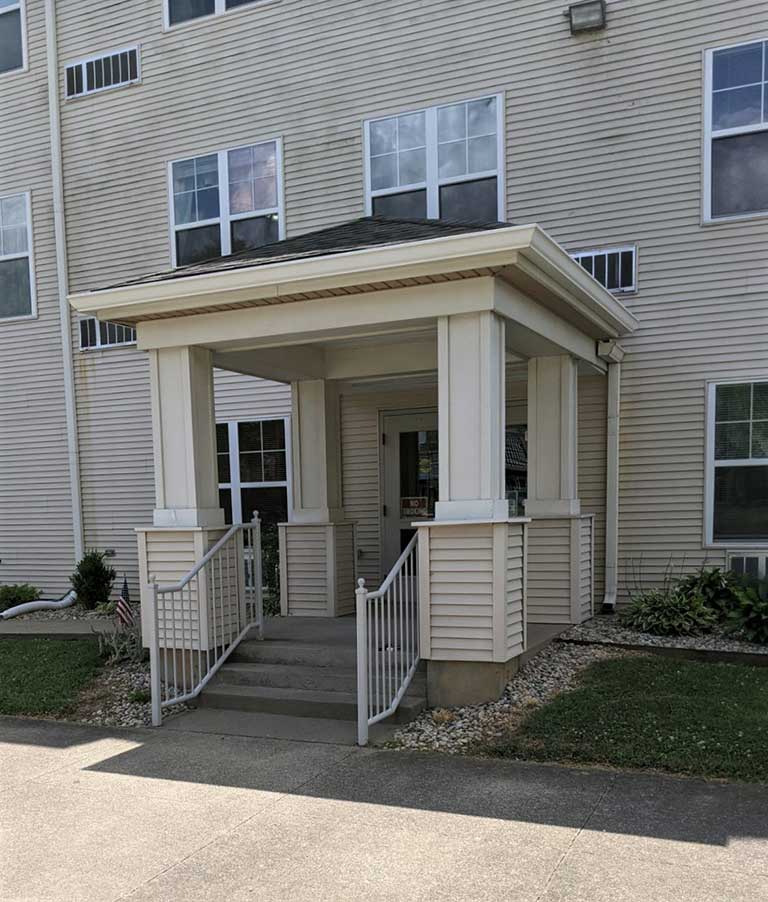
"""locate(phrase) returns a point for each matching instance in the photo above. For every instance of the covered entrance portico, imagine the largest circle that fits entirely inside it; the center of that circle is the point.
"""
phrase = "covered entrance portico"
(437, 338)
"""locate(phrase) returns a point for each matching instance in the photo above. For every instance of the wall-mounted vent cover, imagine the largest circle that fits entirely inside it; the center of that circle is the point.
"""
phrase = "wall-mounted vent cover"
(99, 73)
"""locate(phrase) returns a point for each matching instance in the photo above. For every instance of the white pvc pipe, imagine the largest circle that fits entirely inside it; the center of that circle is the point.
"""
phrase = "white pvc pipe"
(66, 602)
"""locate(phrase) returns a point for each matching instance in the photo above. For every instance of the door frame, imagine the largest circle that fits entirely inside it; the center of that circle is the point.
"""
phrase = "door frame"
(387, 545)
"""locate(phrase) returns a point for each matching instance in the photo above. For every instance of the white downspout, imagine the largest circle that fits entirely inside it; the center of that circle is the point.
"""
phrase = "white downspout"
(62, 275)
(613, 354)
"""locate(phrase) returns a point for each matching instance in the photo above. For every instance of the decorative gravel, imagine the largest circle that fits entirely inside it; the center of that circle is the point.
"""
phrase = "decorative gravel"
(606, 630)
(459, 730)
(118, 697)
(72, 613)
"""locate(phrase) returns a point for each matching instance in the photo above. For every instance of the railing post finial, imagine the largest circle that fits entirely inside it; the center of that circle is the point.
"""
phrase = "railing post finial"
(361, 583)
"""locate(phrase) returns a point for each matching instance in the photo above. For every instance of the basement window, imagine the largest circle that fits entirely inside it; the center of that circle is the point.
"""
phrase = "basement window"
(614, 268)
(103, 72)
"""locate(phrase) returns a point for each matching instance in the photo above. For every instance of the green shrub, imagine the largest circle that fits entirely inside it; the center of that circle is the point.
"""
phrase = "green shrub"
(669, 612)
(716, 587)
(22, 593)
(93, 580)
(270, 562)
(749, 616)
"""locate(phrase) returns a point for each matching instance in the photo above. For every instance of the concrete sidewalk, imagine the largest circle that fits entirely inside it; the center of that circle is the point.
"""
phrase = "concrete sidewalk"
(89, 814)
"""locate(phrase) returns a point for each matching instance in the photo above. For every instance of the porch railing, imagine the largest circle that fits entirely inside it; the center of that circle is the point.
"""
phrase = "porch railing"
(387, 641)
(199, 621)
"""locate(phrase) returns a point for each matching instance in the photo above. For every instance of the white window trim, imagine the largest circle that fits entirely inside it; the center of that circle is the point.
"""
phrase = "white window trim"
(235, 485)
(709, 135)
(225, 219)
(98, 56)
(433, 182)
(618, 249)
(710, 464)
(30, 254)
(22, 6)
(100, 346)
(220, 10)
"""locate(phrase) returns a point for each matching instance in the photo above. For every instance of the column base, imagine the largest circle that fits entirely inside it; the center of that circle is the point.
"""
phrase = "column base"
(454, 683)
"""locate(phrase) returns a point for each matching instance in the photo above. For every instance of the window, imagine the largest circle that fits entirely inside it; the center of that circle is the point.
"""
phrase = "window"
(736, 143)
(254, 466)
(95, 334)
(17, 284)
(737, 478)
(445, 162)
(226, 202)
(178, 11)
(12, 36)
(99, 73)
(614, 268)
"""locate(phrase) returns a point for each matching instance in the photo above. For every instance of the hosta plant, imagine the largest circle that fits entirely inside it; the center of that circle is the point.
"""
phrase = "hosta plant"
(669, 612)
(715, 586)
(749, 616)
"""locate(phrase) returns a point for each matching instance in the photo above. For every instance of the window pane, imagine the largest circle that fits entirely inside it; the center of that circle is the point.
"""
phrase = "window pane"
(383, 137)
(274, 466)
(14, 241)
(411, 131)
(737, 66)
(11, 55)
(760, 440)
(760, 401)
(183, 10)
(271, 504)
(741, 504)
(482, 154)
(183, 176)
(249, 436)
(225, 501)
(207, 171)
(15, 288)
(733, 402)
(731, 441)
(413, 167)
(251, 467)
(184, 208)
(740, 174)
(627, 269)
(273, 435)
(452, 122)
(516, 469)
(742, 106)
(223, 467)
(409, 205)
(481, 117)
(470, 201)
(13, 211)
(208, 204)
(384, 171)
(231, 4)
(264, 193)
(452, 159)
(250, 233)
(222, 437)
(194, 245)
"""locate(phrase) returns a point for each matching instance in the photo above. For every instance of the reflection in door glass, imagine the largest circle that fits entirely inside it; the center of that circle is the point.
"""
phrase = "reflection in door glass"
(418, 474)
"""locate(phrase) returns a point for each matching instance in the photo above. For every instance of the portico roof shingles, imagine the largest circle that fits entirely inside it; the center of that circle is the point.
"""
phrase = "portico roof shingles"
(357, 235)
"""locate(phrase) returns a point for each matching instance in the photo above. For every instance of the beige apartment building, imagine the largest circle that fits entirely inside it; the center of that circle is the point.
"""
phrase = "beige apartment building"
(177, 137)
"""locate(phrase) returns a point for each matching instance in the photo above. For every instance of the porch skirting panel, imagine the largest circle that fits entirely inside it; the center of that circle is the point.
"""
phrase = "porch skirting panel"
(317, 569)
(561, 569)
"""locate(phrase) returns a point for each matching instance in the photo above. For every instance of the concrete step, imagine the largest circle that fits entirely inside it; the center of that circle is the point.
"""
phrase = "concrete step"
(298, 702)
(297, 676)
(277, 651)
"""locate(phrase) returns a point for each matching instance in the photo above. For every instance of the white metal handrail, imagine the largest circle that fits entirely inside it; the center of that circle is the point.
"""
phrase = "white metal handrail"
(198, 621)
(387, 641)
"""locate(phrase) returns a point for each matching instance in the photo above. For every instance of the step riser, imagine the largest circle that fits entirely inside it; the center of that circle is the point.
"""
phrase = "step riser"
(330, 682)
(264, 653)
(340, 710)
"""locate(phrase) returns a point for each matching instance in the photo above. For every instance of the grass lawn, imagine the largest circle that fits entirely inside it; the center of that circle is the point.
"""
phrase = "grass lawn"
(44, 676)
(708, 720)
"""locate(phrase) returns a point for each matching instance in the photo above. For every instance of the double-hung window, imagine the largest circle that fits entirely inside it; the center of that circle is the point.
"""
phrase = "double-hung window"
(17, 282)
(254, 467)
(178, 11)
(12, 36)
(226, 202)
(736, 131)
(737, 469)
(445, 162)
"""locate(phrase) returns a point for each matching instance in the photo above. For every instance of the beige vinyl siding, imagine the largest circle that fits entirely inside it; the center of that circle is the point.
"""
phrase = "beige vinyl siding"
(345, 568)
(515, 583)
(36, 538)
(549, 571)
(592, 439)
(586, 568)
(241, 397)
(305, 572)
(461, 593)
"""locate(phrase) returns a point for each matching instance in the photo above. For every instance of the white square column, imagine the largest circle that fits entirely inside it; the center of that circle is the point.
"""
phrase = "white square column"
(552, 437)
(184, 438)
(471, 361)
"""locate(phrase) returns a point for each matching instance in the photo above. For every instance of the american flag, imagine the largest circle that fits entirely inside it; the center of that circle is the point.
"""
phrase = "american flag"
(123, 610)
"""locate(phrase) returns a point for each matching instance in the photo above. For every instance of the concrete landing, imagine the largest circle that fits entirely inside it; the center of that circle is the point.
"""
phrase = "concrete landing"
(258, 725)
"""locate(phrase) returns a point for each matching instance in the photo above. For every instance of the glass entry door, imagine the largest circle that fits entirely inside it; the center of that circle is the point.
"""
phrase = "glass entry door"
(410, 477)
